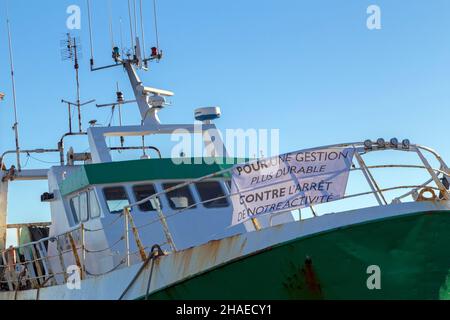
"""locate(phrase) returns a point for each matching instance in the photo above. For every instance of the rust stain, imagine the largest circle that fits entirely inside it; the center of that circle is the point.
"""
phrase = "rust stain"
(304, 283)
(207, 255)
(312, 281)
(186, 258)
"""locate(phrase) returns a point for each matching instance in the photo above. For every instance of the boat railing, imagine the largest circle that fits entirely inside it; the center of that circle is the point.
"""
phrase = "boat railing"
(29, 265)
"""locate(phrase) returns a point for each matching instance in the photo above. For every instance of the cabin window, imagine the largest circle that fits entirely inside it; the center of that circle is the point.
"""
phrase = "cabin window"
(116, 199)
(143, 192)
(212, 190)
(94, 207)
(180, 198)
(75, 206)
(84, 216)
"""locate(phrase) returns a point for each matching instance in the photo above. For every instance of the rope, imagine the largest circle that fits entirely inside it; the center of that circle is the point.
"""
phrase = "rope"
(156, 252)
(109, 248)
(107, 226)
(107, 272)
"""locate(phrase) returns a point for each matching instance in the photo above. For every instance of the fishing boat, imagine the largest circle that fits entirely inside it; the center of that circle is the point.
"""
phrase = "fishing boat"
(160, 227)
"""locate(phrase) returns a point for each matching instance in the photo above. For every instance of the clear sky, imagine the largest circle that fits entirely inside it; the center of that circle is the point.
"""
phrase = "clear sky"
(310, 68)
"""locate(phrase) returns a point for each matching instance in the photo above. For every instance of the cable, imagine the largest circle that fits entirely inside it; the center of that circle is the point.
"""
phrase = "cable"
(43, 161)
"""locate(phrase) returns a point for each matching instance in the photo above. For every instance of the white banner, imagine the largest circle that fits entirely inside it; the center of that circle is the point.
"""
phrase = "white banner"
(290, 181)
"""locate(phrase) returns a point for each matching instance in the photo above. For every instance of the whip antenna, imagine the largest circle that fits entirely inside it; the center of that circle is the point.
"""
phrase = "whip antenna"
(135, 19)
(155, 14)
(131, 26)
(142, 29)
(13, 82)
(111, 32)
(121, 35)
(90, 32)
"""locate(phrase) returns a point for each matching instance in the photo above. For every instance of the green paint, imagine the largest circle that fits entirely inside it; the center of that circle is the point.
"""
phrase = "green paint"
(142, 170)
(412, 252)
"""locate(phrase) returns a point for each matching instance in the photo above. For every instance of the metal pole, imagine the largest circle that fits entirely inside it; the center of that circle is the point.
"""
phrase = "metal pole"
(83, 250)
(75, 253)
(376, 191)
(127, 237)
(70, 118)
(165, 226)
(16, 121)
(131, 28)
(142, 30)
(136, 236)
(90, 32)
(78, 84)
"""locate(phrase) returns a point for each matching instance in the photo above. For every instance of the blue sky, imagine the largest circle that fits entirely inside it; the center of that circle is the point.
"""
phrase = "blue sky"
(310, 68)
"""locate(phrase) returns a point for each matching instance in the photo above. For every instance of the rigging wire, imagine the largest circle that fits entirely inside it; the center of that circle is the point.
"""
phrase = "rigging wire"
(43, 161)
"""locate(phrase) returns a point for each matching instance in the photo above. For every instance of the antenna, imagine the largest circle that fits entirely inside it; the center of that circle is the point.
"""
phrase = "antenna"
(71, 50)
(111, 23)
(142, 31)
(122, 48)
(155, 18)
(119, 103)
(131, 25)
(149, 100)
(13, 82)
(90, 32)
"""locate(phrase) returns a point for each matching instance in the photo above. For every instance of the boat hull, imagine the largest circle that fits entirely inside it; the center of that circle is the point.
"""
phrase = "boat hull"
(410, 251)
(325, 257)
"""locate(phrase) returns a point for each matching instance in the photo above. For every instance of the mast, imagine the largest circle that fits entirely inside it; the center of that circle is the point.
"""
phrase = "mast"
(13, 82)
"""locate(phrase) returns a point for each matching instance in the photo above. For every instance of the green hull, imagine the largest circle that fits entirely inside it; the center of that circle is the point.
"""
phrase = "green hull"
(412, 252)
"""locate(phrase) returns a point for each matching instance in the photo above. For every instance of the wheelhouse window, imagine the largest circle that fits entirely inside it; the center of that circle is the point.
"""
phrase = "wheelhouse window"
(94, 208)
(180, 198)
(75, 206)
(83, 198)
(144, 191)
(84, 206)
(116, 199)
(209, 191)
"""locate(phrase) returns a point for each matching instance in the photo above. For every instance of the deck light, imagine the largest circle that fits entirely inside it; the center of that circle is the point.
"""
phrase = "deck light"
(394, 142)
(381, 143)
(406, 144)
(368, 144)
